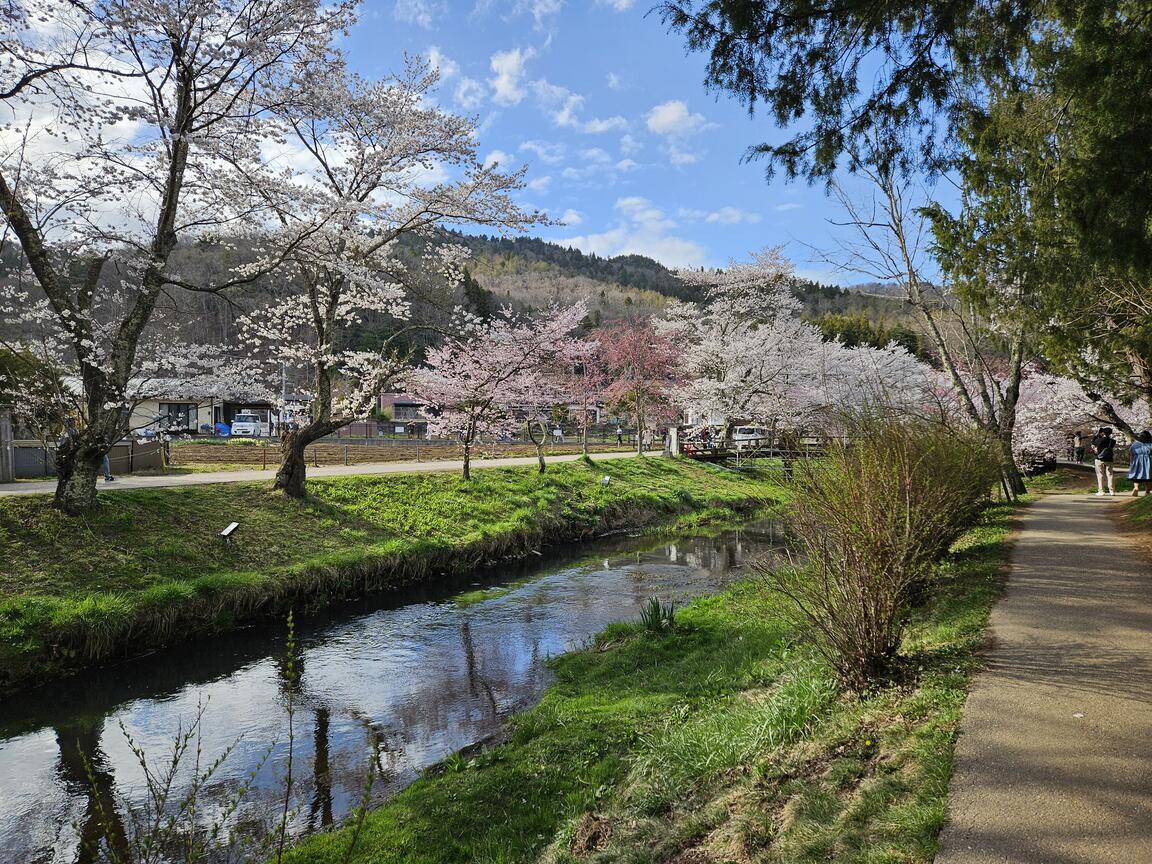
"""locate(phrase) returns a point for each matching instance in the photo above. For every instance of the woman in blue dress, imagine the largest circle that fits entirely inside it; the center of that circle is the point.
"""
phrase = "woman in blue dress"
(1140, 463)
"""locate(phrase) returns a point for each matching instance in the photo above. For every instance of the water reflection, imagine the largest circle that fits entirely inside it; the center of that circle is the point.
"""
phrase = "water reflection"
(398, 685)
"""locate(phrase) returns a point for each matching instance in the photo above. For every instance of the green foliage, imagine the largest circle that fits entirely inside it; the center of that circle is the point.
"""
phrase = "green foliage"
(720, 741)
(477, 298)
(857, 329)
(848, 68)
(657, 617)
(148, 565)
(23, 372)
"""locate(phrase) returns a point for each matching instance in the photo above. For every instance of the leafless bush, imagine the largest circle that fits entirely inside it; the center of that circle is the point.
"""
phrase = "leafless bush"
(870, 520)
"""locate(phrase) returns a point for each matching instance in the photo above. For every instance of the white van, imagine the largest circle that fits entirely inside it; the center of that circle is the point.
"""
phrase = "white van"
(247, 426)
(743, 436)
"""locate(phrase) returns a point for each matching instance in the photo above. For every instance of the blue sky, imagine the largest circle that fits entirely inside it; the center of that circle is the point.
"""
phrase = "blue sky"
(623, 142)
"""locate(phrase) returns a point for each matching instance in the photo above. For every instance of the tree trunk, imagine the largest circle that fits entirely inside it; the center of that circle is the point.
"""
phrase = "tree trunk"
(539, 444)
(293, 470)
(1012, 477)
(639, 424)
(584, 430)
(467, 458)
(76, 473)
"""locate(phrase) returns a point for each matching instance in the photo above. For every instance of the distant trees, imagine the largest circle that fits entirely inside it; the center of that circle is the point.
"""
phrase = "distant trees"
(855, 330)
(487, 371)
(642, 366)
(748, 356)
(745, 345)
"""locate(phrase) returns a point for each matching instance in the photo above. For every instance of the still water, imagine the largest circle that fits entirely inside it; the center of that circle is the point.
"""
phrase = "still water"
(400, 680)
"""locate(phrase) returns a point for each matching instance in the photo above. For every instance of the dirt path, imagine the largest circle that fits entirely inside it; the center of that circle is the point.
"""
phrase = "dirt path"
(1054, 758)
(129, 481)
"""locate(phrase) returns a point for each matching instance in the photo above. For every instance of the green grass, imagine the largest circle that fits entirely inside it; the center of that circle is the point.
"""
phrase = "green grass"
(1140, 510)
(148, 566)
(722, 740)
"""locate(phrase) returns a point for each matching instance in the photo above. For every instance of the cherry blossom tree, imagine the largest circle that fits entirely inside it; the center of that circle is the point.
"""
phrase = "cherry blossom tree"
(1052, 407)
(367, 151)
(488, 369)
(746, 352)
(642, 365)
(586, 382)
(748, 356)
(128, 125)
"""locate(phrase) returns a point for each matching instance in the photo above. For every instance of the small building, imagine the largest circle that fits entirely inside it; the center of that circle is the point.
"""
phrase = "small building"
(407, 415)
(170, 411)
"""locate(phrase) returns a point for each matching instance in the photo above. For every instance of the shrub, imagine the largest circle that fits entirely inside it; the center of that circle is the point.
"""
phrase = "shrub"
(871, 519)
(657, 617)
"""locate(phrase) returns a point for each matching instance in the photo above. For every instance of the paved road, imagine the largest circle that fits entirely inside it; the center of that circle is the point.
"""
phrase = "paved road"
(1054, 758)
(134, 482)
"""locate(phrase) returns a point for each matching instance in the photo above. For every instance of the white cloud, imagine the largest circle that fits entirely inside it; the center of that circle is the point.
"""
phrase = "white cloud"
(596, 155)
(614, 81)
(571, 217)
(509, 69)
(559, 103)
(643, 230)
(608, 124)
(447, 67)
(680, 156)
(540, 184)
(545, 151)
(626, 165)
(497, 157)
(543, 11)
(563, 107)
(791, 205)
(423, 13)
(618, 5)
(596, 161)
(469, 93)
(723, 216)
(629, 146)
(674, 120)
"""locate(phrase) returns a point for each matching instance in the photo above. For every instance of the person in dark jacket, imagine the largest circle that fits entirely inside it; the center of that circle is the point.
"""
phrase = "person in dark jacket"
(1104, 447)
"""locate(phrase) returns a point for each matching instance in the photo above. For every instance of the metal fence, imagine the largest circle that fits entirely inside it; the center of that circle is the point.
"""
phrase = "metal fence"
(31, 459)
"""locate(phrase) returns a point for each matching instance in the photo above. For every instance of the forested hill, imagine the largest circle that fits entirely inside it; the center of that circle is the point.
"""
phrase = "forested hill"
(528, 272)
(509, 255)
(524, 272)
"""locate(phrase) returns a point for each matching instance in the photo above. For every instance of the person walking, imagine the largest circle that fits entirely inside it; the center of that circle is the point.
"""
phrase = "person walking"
(1078, 447)
(1140, 463)
(619, 436)
(1104, 448)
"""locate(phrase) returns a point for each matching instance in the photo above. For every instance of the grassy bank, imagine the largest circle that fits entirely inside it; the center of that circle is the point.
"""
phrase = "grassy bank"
(722, 741)
(1140, 511)
(148, 566)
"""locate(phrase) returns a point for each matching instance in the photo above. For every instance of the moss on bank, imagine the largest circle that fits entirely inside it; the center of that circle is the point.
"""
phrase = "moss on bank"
(724, 740)
(148, 566)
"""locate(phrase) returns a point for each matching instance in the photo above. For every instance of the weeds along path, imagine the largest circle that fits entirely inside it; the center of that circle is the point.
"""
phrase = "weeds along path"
(128, 481)
(1053, 763)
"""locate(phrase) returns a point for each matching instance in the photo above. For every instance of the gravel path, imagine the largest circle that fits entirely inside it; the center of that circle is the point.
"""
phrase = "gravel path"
(128, 481)
(1054, 758)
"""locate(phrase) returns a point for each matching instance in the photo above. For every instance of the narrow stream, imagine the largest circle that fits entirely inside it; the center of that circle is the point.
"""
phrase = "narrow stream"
(405, 679)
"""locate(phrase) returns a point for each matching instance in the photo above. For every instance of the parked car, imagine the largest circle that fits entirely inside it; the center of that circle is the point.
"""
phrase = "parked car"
(749, 435)
(247, 426)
